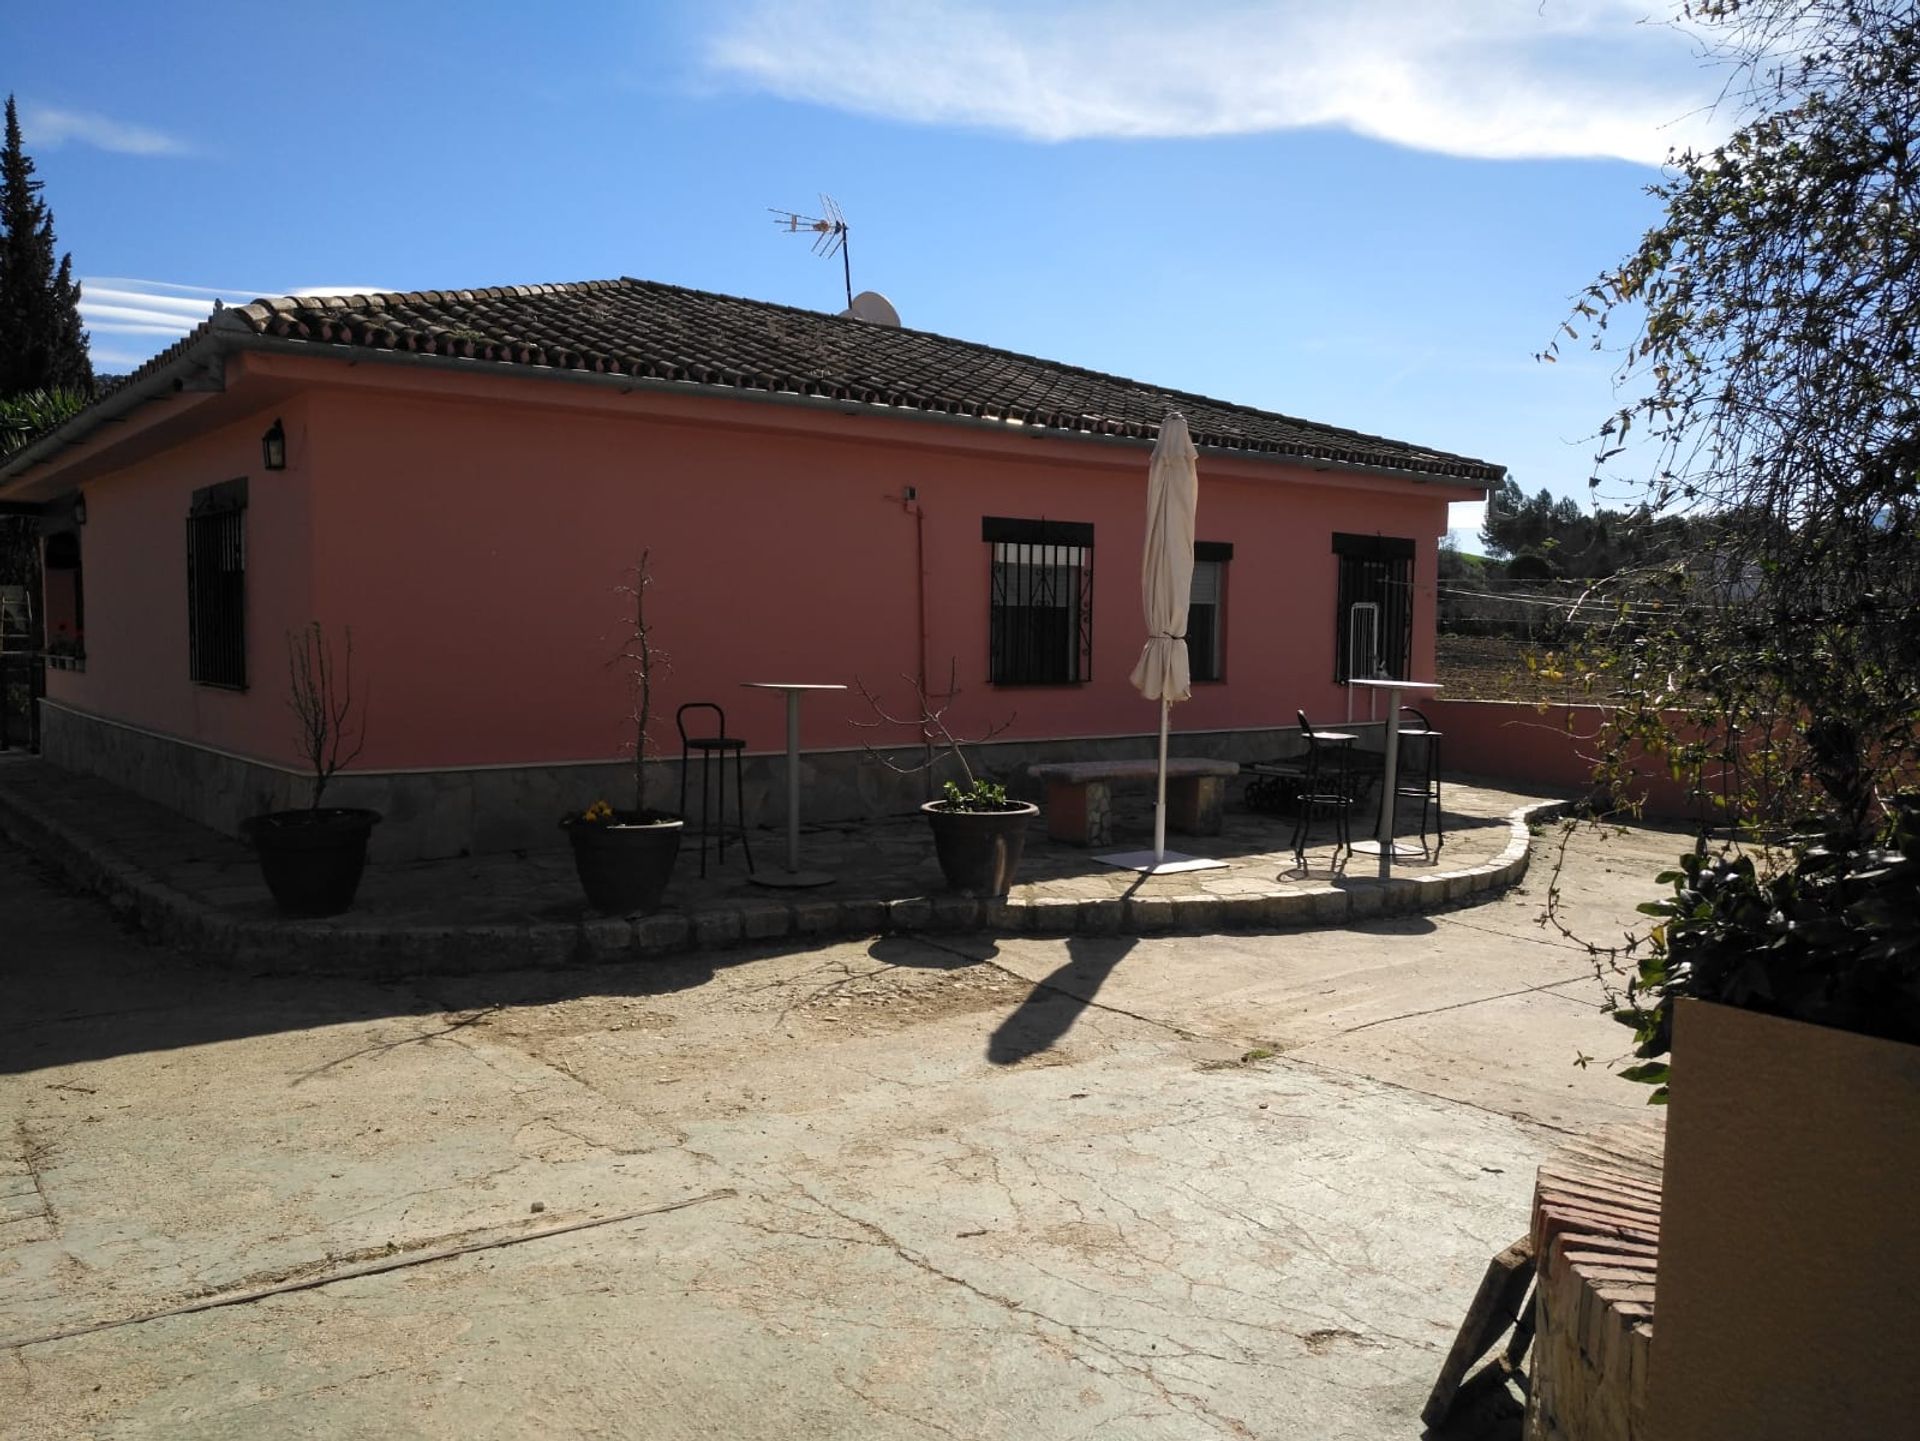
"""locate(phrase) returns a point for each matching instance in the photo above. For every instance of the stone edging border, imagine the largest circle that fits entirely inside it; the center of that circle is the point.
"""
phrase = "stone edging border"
(173, 917)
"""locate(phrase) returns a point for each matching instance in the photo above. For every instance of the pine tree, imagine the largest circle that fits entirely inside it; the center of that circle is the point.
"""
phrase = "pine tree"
(42, 345)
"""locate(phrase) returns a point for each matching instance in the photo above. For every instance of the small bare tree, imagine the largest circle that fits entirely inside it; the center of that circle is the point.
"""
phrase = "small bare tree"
(930, 723)
(641, 658)
(320, 694)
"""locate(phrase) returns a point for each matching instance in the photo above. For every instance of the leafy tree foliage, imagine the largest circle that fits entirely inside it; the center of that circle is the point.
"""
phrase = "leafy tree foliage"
(1519, 524)
(1772, 364)
(1457, 565)
(27, 414)
(1773, 317)
(21, 418)
(45, 374)
(42, 344)
(1554, 537)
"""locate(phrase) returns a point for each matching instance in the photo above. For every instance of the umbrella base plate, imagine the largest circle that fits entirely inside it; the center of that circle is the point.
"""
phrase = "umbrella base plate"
(1168, 864)
(791, 880)
(1402, 850)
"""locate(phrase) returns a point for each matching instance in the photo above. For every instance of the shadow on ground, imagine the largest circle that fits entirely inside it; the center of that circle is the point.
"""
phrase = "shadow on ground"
(1043, 1019)
(1487, 1409)
(78, 985)
(1051, 1008)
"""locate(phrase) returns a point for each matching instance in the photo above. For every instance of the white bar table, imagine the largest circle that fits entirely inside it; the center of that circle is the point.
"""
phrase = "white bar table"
(1383, 841)
(792, 876)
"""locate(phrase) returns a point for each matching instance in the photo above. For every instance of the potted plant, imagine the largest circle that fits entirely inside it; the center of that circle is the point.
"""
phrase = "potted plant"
(978, 833)
(625, 857)
(312, 859)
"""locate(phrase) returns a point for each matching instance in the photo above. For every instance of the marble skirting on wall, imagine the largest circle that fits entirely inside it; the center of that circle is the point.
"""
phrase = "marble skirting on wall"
(436, 813)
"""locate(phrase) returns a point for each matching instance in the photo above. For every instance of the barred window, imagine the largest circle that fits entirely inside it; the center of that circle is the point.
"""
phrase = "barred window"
(1040, 616)
(1373, 614)
(64, 601)
(1207, 611)
(217, 585)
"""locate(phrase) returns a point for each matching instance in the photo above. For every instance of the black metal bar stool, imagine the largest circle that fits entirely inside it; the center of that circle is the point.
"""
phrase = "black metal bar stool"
(1419, 773)
(718, 744)
(1326, 789)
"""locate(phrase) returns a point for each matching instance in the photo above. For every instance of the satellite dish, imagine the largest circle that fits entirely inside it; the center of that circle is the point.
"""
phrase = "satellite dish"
(874, 308)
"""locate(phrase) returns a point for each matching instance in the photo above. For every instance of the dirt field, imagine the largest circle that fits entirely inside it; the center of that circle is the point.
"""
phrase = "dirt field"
(1489, 667)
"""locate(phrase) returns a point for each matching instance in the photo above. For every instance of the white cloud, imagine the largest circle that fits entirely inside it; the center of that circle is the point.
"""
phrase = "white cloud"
(158, 312)
(99, 295)
(49, 126)
(1464, 519)
(115, 305)
(130, 328)
(1496, 79)
(113, 362)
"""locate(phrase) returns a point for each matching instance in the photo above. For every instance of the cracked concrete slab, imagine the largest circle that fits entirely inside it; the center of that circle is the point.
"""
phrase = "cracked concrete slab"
(1014, 1188)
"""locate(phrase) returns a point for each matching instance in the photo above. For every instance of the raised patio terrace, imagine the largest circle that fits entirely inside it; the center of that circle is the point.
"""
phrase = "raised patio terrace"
(187, 884)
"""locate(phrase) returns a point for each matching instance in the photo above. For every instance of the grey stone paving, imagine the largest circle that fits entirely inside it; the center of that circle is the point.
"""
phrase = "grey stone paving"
(197, 887)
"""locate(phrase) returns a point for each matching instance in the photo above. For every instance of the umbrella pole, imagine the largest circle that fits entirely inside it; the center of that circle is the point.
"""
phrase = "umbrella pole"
(1160, 795)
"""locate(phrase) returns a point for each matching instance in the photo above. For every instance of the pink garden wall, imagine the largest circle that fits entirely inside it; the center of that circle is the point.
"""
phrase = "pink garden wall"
(1552, 746)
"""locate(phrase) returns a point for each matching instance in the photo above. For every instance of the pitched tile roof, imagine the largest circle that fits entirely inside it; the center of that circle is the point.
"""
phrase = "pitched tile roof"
(660, 332)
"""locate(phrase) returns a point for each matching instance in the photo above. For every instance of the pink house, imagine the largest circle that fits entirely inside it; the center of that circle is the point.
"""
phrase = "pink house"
(464, 477)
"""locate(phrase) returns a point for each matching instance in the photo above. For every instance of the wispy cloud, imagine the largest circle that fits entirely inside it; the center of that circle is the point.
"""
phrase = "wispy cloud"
(1496, 79)
(146, 316)
(115, 305)
(50, 126)
(338, 290)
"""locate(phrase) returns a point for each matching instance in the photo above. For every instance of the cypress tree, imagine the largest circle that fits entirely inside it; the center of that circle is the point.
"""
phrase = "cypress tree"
(42, 345)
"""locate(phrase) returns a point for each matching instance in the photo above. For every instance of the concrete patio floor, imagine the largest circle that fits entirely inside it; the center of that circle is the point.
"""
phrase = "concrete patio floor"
(1013, 1188)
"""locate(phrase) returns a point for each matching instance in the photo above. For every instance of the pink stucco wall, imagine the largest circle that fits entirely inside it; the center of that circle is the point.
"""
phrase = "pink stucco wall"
(134, 579)
(471, 531)
(475, 548)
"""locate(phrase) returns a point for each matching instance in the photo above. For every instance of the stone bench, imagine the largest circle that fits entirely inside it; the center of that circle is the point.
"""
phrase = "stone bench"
(1080, 803)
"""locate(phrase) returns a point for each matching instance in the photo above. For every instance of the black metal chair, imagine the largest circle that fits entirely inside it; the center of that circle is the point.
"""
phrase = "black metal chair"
(1418, 773)
(711, 747)
(1326, 788)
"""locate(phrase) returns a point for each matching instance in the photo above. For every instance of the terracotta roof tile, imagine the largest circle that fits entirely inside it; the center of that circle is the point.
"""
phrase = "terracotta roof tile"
(663, 332)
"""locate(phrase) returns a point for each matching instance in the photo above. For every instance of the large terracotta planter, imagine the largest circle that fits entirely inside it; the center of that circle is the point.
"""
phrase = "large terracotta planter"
(624, 866)
(1787, 1303)
(312, 860)
(979, 851)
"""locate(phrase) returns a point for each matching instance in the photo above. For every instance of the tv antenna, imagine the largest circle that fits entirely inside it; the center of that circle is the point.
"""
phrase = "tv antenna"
(829, 230)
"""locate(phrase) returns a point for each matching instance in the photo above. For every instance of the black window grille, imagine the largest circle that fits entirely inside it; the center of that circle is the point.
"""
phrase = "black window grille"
(1207, 612)
(1040, 619)
(217, 585)
(63, 599)
(1374, 608)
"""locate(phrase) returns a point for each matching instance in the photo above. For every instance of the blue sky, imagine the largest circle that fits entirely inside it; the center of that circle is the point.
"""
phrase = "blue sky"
(1369, 215)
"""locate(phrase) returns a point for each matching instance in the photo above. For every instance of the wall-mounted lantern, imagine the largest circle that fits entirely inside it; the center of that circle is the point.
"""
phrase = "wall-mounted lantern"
(79, 509)
(273, 446)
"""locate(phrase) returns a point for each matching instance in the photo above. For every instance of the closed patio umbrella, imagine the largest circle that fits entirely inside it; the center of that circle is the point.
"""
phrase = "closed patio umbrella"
(1166, 586)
